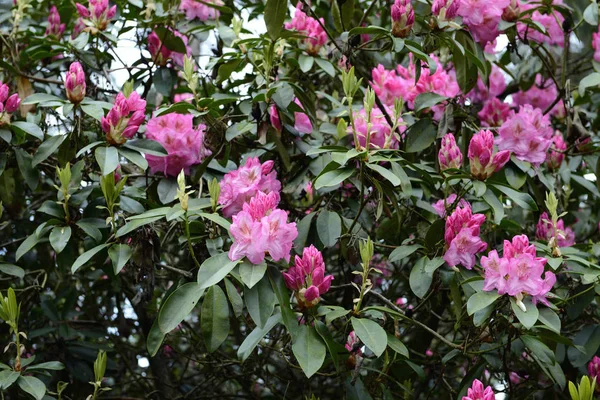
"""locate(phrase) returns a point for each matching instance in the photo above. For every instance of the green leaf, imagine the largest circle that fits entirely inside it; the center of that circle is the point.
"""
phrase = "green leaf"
(28, 128)
(59, 237)
(214, 318)
(590, 14)
(136, 223)
(419, 280)
(528, 318)
(303, 229)
(234, 298)
(119, 255)
(333, 178)
(170, 40)
(85, 257)
(252, 340)
(306, 62)
(523, 200)
(31, 175)
(420, 136)
(481, 300)
(164, 80)
(386, 173)
(396, 345)
(214, 269)
(41, 98)
(333, 347)
(260, 301)
(32, 386)
(491, 198)
(428, 100)
(251, 273)
(592, 79)
(178, 306)
(134, 157)
(50, 365)
(155, 339)
(401, 252)
(146, 146)
(587, 185)
(309, 350)
(30, 242)
(7, 378)
(371, 334)
(283, 298)
(47, 148)
(326, 66)
(107, 158)
(13, 270)
(275, 13)
(93, 110)
(329, 227)
(167, 190)
(539, 349)
(90, 228)
(549, 318)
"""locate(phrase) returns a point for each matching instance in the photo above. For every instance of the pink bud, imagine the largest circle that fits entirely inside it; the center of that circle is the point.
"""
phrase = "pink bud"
(594, 368)
(81, 10)
(449, 155)
(481, 155)
(403, 18)
(512, 12)
(13, 103)
(445, 9)
(75, 83)
(3, 92)
(557, 151)
(274, 117)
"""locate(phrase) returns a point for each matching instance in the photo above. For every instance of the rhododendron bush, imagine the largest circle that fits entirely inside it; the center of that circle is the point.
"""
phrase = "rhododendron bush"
(336, 199)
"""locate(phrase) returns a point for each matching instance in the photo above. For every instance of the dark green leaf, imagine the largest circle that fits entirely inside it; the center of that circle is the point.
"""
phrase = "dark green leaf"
(309, 350)
(420, 136)
(214, 318)
(275, 12)
(119, 255)
(329, 227)
(178, 306)
(371, 334)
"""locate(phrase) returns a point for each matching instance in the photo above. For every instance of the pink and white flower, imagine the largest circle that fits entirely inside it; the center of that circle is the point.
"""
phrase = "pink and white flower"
(307, 277)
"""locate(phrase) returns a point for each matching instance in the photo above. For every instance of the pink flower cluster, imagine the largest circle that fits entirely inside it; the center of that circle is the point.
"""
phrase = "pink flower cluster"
(198, 9)
(381, 135)
(307, 277)
(497, 84)
(445, 9)
(54, 27)
(75, 83)
(124, 118)
(301, 121)
(184, 143)
(483, 159)
(552, 23)
(261, 229)
(527, 134)
(400, 83)
(161, 54)
(564, 237)
(540, 95)
(557, 151)
(494, 112)
(239, 186)
(482, 18)
(316, 37)
(478, 392)
(596, 45)
(449, 155)
(442, 205)
(8, 104)
(518, 272)
(462, 236)
(96, 15)
(594, 368)
(403, 18)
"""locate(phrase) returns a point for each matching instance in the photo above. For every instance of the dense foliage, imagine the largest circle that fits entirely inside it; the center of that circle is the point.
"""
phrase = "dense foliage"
(354, 199)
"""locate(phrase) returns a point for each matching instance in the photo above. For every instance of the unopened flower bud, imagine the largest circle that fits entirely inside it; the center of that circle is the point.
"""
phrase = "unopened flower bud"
(481, 155)
(449, 155)
(75, 83)
(403, 18)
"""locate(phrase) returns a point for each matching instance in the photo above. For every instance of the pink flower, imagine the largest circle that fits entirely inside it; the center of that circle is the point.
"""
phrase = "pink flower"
(441, 205)
(445, 9)
(519, 272)
(527, 134)
(463, 248)
(540, 95)
(179, 97)
(565, 237)
(261, 229)
(316, 37)
(184, 143)
(54, 27)
(353, 344)
(381, 135)
(478, 392)
(462, 217)
(497, 85)
(482, 158)
(75, 83)
(596, 45)
(78, 28)
(449, 155)
(124, 119)
(594, 368)
(403, 18)
(552, 23)
(494, 112)
(198, 9)
(482, 18)
(161, 54)
(512, 11)
(307, 277)
(557, 151)
(239, 186)
(302, 121)
(8, 104)
(97, 15)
